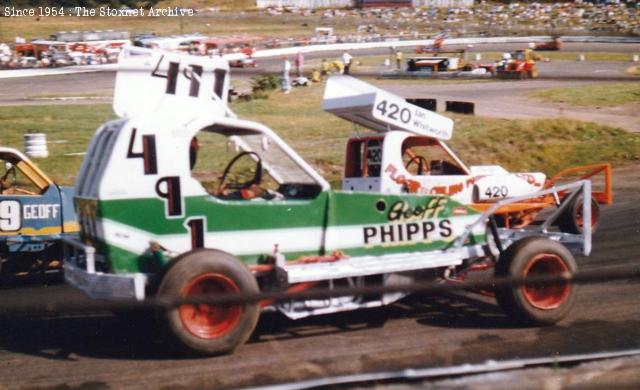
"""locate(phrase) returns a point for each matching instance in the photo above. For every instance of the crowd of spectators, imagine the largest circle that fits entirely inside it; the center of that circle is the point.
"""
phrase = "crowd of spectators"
(617, 17)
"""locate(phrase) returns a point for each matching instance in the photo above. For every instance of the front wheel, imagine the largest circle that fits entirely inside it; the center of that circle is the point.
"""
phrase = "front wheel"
(208, 329)
(540, 304)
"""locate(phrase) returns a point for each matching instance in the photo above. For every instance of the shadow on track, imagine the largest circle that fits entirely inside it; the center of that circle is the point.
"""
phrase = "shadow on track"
(133, 335)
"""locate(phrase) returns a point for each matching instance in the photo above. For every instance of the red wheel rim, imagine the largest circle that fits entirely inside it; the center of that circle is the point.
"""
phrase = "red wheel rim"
(580, 216)
(541, 296)
(208, 321)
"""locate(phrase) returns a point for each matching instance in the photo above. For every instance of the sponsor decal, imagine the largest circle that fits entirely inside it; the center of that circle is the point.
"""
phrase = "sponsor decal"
(530, 179)
(410, 224)
(414, 186)
(456, 188)
(401, 211)
(411, 185)
(460, 210)
(40, 211)
(403, 233)
(12, 214)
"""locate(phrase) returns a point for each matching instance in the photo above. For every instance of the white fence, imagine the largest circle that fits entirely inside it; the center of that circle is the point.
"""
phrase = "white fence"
(354, 3)
(443, 3)
(306, 3)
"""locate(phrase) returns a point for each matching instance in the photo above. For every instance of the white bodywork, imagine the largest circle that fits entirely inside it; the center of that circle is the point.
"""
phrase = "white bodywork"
(185, 86)
(381, 111)
(164, 101)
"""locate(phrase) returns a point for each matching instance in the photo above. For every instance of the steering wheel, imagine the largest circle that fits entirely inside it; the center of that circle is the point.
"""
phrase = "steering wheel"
(423, 165)
(256, 180)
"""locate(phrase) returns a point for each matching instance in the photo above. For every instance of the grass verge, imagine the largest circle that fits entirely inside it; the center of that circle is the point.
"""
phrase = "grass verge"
(69, 129)
(546, 145)
(592, 95)
(105, 94)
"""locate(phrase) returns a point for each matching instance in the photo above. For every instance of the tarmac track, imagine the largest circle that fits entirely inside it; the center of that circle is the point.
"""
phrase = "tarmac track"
(19, 90)
(98, 350)
(503, 99)
(506, 99)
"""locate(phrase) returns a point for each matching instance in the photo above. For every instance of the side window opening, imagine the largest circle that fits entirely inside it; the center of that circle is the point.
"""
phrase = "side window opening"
(246, 167)
(364, 158)
(425, 156)
(15, 180)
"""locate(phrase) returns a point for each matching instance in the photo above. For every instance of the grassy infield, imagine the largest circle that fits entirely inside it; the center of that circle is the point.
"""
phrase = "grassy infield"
(592, 95)
(547, 145)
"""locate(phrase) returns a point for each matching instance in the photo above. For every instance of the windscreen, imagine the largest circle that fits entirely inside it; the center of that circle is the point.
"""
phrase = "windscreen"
(274, 160)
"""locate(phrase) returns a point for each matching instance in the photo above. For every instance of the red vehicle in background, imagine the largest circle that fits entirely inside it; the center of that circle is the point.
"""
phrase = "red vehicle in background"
(519, 64)
(438, 42)
(554, 44)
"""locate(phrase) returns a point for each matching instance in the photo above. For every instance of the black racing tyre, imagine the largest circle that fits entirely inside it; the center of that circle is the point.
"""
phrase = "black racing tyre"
(571, 219)
(536, 304)
(206, 329)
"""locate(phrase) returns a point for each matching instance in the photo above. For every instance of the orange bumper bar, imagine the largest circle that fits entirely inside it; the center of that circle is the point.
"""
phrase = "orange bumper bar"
(603, 197)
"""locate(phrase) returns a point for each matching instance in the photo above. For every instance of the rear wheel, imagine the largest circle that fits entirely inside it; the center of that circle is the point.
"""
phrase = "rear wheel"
(572, 219)
(208, 329)
(540, 304)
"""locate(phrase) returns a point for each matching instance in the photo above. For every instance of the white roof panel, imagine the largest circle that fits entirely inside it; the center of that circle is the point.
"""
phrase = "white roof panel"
(364, 104)
(159, 82)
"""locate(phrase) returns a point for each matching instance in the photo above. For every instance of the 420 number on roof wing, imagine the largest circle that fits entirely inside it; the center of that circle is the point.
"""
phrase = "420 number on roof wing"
(406, 116)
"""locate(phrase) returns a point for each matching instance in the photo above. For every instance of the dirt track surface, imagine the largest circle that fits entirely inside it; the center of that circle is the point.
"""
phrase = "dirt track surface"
(99, 350)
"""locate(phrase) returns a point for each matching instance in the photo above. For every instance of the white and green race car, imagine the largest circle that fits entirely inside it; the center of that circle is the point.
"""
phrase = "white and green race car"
(179, 198)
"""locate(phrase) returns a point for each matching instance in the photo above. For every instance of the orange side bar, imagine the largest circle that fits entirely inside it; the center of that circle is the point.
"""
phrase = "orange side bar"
(603, 197)
(510, 208)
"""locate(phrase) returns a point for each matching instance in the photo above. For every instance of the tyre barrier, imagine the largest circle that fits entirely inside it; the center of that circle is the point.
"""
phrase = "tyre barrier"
(427, 104)
(35, 145)
(461, 107)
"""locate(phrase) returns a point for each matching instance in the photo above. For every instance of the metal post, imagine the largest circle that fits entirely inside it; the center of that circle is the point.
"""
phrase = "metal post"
(586, 213)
